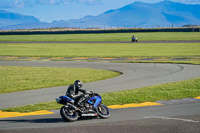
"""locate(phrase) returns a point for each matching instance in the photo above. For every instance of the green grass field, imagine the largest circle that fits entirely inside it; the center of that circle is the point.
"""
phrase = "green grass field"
(13, 79)
(146, 36)
(101, 50)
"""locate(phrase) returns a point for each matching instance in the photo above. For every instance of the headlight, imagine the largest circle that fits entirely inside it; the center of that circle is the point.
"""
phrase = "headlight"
(58, 99)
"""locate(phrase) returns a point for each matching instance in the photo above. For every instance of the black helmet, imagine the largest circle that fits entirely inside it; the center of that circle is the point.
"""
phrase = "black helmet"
(78, 83)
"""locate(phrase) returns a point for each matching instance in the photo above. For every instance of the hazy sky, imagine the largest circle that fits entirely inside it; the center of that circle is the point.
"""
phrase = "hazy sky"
(49, 10)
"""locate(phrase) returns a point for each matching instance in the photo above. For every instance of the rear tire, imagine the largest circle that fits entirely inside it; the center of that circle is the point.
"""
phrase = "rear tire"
(68, 114)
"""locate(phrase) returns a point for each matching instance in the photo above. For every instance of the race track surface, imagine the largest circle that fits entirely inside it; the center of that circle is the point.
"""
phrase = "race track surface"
(166, 118)
(183, 118)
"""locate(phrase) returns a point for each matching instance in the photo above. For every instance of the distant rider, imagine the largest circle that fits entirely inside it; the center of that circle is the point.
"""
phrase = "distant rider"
(73, 91)
(134, 39)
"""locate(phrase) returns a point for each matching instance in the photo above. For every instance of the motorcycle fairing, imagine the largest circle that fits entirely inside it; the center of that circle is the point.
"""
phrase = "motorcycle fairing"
(64, 99)
(97, 99)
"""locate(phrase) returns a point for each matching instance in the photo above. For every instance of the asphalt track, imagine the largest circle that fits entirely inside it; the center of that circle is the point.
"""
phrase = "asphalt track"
(181, 118)
(166, 118)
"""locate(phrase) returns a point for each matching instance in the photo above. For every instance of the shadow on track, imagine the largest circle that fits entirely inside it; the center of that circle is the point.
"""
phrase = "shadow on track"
(46, 120)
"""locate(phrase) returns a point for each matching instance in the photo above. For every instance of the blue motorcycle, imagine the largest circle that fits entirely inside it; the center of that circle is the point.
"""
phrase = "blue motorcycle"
(91, 106)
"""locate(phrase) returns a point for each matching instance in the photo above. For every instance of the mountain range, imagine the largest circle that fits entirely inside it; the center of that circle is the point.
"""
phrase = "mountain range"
(137, 14)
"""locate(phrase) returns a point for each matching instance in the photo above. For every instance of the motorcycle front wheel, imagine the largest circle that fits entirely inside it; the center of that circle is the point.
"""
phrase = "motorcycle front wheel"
(68, 114)
(103, 111)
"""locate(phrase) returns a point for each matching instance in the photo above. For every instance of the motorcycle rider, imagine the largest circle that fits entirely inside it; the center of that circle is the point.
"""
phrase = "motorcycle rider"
(73, 91)
(134, 39)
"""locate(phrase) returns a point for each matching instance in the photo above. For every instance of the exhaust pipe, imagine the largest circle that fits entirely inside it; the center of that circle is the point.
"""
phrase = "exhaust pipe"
(89, 114)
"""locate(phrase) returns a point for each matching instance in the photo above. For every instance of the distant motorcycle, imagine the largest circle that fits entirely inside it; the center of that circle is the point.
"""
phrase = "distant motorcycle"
(134, 39)
(91, 106)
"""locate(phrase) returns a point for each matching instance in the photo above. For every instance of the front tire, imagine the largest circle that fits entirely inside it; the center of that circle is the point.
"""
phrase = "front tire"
(68, 114)
(103, 111)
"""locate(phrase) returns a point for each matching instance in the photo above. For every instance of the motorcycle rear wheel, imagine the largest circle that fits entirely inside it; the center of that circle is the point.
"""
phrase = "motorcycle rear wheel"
(68, 114)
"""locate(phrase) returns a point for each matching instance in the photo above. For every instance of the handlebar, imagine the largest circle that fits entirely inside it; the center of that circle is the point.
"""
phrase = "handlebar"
(91, 93)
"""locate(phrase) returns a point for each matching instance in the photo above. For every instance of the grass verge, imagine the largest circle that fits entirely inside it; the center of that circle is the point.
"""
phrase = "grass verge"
(13, 79)
(145, 36)
(168, 91)
(124, 50)
(175, 90)
(195, 60)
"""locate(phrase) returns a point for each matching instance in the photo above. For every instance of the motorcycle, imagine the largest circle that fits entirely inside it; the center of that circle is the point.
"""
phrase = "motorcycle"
(91, 106)
(134, 39)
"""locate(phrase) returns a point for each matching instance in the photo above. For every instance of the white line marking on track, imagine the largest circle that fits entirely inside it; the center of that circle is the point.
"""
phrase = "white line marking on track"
(166, 118)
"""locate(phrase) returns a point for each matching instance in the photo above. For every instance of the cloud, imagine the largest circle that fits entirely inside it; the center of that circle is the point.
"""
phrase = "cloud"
(66, 2)
(53, 2)
(19, 3)
(12, 3)
(90, 2)
(15, 3)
